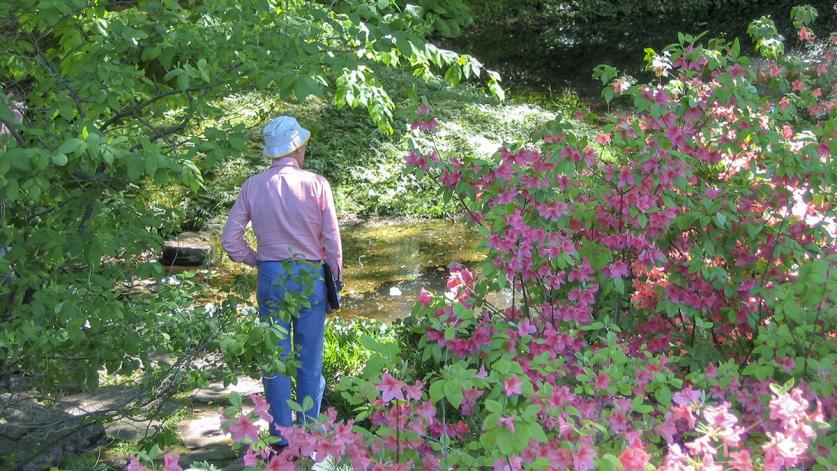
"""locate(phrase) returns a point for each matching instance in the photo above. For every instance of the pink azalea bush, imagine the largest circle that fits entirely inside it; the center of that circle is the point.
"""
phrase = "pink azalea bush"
(671, 279)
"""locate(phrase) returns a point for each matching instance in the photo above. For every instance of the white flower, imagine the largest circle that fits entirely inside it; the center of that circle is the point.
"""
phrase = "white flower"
(661, 63)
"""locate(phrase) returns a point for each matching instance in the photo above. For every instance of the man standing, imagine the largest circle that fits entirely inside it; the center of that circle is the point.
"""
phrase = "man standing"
(293, 217)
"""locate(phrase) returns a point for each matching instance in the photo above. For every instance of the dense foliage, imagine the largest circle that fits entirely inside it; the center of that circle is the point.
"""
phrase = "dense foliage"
(103, 99)
(672, 289)
(363, 167)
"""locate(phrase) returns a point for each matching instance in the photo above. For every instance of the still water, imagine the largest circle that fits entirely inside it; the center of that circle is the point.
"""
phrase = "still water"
(387, 263)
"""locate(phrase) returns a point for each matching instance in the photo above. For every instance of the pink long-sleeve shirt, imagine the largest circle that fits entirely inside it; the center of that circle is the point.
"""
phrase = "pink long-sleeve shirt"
(293, 216)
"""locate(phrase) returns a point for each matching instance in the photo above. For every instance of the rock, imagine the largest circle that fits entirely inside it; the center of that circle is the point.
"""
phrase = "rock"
(127, 428)
(131, 430)
(189, 251)
(213, 226)
(217, 393)
(47, 432)
(202, 429)
(395, 291)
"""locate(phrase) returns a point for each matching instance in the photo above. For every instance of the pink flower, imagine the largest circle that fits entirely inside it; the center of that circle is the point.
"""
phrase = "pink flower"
(513, 386)
(515, 463)
(415, 160)
(424, 297)
(603, 139)
(782, 452)
(330, 448)
(422, 109)
(626, 178)
(823, 150)
(784, 103)
(676, 459)
(507, 422)
(602, 381)
(390, 388)
(250, 457)
(692, 115)
(583, 457)
(741, 460)
(170, 462)
(634, 458)
(581, 272)
(134, 465)
(243, 428)
(668, 429)
(450, 179)
(526, 328)
(798, 85)
(428, 126)
(617, 269)
(261, 407)
(787, 363)
(806, 34)
(724, 424)
(280, 463)
(459, 277)
(621, 85)
(686, 396)
(414, 392)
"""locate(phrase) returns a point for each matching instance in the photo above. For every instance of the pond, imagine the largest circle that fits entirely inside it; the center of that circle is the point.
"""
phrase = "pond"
(385, 264)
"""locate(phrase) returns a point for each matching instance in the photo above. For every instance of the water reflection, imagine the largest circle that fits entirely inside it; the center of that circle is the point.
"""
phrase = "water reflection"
(384, 258)
(385, 265)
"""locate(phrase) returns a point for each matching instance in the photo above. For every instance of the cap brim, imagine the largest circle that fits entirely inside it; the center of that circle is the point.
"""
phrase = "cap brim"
(276, 156)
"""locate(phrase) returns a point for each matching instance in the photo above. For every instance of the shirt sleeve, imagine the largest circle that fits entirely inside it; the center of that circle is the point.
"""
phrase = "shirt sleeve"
(232, 238)
(331, 233)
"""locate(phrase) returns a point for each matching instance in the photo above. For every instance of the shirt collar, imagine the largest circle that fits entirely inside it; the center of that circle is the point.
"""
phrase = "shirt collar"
(284, 162)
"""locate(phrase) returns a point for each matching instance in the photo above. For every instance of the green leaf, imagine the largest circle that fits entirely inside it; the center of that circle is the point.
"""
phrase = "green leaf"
(183, 80)
(453, 392)
(59, 160)
(609, 462)
(70, 145)
(19, 158)
(235, 399)
(134, 166)
(304, 86)
(437, 391)
(453, 75)
(238, 142)
(505, 441)
(307, 403)
(12, 190)
(663, 395)
(150, 53)
(619, 285)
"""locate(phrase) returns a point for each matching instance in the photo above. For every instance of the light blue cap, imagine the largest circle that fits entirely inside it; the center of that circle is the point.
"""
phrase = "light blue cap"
(282, 136)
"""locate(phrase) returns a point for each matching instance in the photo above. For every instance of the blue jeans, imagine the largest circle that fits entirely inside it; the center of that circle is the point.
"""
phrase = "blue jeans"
(308, 329)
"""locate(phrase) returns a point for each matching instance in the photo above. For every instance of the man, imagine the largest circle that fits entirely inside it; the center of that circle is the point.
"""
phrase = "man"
(293, 216)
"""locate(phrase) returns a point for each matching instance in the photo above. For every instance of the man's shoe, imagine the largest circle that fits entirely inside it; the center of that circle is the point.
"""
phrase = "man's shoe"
(277, 450)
